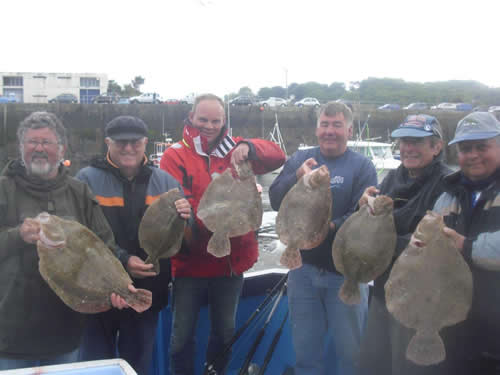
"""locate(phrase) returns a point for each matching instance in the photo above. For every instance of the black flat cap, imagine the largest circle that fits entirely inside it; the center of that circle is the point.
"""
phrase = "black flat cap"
(126, 127)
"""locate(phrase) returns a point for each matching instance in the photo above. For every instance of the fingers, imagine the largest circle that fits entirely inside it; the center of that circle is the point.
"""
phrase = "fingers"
(118, 302)
(306, 167)
(30, 231)
(138, 269)
(370, 191)
(183, 208)
(240, 154)
(457, 238)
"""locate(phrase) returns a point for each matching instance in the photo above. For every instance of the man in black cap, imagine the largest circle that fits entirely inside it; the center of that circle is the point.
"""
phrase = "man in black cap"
(125, 184)
(471, 205)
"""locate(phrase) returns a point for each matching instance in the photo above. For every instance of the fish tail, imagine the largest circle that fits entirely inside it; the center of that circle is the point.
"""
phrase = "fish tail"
(140, 301)
(155, 262)
(219, 245)
(349, 293)
(291, 258)
(426, 348)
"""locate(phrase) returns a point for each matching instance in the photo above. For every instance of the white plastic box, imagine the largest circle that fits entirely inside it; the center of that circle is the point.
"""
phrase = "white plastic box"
(104, 367)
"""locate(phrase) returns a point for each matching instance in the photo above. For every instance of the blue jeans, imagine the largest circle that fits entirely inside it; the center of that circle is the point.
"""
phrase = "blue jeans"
(12, 364)
(189, 294)
(315, 312)
(121, 333)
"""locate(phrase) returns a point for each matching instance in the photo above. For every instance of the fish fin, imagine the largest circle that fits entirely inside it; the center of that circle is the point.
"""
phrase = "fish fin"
(291, 258)
(219, 245)
(140, 301)
(349, 293)
(426, 348)
(156, 264)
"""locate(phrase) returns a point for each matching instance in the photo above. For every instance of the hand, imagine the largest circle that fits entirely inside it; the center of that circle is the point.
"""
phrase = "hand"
(456, 238)
(118, 302)
(369, 192)
(306, 167)
(30, 231)
(240, 154)
(138, 269)
(183, 208)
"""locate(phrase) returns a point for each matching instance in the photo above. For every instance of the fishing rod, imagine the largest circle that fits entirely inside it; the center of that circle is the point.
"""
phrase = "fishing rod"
(273, 345)
(210, 367)
(253, 349)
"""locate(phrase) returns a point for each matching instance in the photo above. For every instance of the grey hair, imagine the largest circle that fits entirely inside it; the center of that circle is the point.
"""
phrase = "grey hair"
(203, 97)
(333, 108)
(39, 120)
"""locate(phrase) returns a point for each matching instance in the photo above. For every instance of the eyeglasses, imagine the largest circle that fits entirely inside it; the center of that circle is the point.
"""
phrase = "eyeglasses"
(122, 143)
(44, 143)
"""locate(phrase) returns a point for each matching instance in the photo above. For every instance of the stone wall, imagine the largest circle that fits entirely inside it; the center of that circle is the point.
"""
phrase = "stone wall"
(85, 124)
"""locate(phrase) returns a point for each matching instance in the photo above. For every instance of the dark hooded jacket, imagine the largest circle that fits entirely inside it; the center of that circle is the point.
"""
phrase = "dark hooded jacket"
(34, 322)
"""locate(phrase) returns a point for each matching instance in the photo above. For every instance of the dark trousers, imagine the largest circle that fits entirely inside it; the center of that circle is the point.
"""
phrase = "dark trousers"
(121, 333)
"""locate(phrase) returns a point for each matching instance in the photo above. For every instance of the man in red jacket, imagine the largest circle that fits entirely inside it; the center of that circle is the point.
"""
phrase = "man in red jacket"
(205, 151)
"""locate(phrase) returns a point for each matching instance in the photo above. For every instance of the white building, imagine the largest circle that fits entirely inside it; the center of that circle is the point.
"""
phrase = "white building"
(42, 87)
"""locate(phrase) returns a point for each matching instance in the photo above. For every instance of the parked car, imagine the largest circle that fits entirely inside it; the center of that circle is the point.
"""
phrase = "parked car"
(64, 98)
(274, 102)
(445, 107)
(242, 100)
(146, 98)
(9, 98)
(494, 108)
(390, 107)
(123, 101)
(308, 102)
(416, 107)
(108, 98)
(172, 101)
(464, 107)
(481, 108)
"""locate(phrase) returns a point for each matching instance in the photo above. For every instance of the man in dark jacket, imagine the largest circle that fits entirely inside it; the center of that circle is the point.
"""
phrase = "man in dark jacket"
(36, 327)
(471, 205)
(125, 184)
(315, 308)
(414, 186)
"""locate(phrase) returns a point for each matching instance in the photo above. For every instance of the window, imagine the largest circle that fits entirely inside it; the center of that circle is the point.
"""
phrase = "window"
(89, 82)
(13, 81)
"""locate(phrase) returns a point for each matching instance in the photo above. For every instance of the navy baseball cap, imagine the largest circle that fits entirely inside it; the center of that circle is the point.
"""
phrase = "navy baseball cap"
(126, 128)
(475, 126)
(418, 126)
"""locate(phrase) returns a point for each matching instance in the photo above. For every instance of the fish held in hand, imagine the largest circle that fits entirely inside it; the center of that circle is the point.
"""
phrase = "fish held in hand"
(81, 269)
(364, 246)
(303, 220)
(230, 207)
(429, 287)
(162, 229)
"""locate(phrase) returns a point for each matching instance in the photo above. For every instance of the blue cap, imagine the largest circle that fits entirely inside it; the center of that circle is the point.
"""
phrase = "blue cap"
(418, 126)
(475, 126)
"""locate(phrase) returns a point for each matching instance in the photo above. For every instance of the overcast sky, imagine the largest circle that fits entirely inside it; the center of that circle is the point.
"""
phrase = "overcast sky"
(184, 46)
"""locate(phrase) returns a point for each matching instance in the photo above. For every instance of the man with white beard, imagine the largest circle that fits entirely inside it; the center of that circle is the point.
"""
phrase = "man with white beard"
(36, 327)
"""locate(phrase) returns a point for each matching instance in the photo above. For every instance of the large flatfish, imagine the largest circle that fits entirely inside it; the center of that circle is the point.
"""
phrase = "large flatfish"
(230, 207)
(162, 229)
(429, 287)
(81, 269)
(364, 246)
(303, 219)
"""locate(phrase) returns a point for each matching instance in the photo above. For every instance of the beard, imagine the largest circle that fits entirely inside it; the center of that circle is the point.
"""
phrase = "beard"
(39, 165)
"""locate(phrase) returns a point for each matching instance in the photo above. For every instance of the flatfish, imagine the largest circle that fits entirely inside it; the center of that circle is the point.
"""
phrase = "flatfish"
(429, 287)
(364, 246)
(230, 207)
(303, 219)
(81, 269)
(162, 229)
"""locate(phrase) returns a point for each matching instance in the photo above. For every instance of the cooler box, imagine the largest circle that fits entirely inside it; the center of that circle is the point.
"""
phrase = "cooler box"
(104, 367)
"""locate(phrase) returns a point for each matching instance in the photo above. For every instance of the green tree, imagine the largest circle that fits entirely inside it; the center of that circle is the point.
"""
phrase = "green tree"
(114, 87)
(137, 82)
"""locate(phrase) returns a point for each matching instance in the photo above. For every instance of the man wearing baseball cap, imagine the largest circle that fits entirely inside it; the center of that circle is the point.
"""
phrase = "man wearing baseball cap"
(125, 184)
(471, 205)
(414, 187)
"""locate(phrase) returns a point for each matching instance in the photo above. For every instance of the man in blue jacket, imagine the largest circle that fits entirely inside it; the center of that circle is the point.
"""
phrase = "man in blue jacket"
(313, 288)
(125, 184)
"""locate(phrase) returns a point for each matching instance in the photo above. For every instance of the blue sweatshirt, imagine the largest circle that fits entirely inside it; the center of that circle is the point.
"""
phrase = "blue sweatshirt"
(350, 174)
